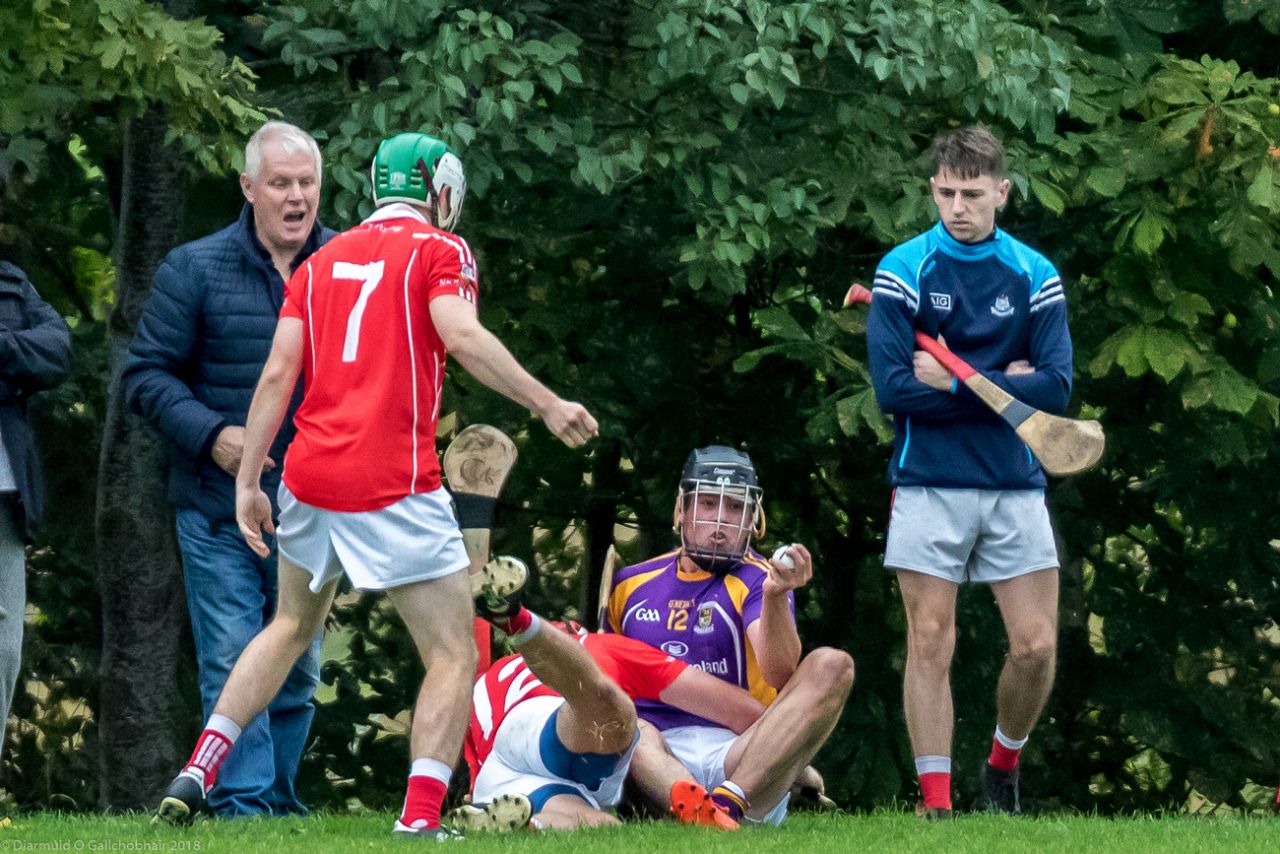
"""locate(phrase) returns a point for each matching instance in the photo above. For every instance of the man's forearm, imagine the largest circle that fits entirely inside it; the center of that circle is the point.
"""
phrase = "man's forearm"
(779, 649)
(266, 413)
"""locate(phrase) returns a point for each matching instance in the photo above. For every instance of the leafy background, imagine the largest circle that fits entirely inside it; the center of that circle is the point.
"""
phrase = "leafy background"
(668, 200)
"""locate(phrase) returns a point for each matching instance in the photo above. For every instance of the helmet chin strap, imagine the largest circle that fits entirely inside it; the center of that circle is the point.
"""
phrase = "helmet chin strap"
(431, 191)
(715, 564)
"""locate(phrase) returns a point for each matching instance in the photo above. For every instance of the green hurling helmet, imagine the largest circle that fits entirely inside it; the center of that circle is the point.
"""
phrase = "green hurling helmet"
(415, 168)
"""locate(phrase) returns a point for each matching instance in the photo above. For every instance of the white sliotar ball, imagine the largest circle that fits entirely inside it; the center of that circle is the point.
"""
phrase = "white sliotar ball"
(782, 556)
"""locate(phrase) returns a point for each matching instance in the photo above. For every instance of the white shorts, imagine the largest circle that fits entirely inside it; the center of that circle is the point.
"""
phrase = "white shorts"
(415, 539)
(958, 535)
(526, 745)
(702, 749)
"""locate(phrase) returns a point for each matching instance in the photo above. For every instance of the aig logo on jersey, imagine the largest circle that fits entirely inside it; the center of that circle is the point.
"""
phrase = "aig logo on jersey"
(942, 302)
(1001, 307)
(703, 625)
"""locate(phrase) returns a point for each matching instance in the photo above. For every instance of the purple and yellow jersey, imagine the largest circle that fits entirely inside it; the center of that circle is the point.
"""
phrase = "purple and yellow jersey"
(696, 617)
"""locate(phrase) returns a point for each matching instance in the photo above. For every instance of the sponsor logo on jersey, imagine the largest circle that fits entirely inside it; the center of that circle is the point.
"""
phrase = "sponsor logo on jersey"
(676, 648)
(942, 302)
(1001, 307)
(704, 625)
(718, 668)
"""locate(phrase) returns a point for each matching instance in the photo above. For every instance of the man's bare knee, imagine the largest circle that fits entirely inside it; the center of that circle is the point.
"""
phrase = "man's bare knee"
(834, 668)
(449, 657)
(294, 632)
(612, 714)
(1034, 652)
(931, 640)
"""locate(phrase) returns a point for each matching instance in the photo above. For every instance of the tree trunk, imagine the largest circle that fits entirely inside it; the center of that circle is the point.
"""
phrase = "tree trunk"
(144, 617)
(602, 514)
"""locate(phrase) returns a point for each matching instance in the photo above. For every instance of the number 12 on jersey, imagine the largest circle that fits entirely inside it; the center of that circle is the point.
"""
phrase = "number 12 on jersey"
(368, 275)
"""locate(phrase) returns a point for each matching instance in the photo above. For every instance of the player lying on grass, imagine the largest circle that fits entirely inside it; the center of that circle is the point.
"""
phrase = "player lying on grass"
(553, 728)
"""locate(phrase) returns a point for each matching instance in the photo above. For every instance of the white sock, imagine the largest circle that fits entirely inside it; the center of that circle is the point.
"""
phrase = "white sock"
(933, 765)
(535, 625)
(1011, 743)
(432, 768)
(224, 726)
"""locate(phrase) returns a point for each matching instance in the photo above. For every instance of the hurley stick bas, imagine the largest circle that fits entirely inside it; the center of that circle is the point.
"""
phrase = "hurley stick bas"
(606, 587)
(476, 465)
(1064, 446)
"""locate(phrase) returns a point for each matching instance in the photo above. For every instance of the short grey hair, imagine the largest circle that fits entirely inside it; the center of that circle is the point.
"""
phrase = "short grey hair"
(291, 138)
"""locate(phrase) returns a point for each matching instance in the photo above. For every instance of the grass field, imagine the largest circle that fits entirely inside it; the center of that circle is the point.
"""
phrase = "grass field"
(802, 833)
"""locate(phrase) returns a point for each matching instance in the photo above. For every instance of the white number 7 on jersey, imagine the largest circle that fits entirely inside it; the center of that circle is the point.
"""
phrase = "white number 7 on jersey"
(369, 275)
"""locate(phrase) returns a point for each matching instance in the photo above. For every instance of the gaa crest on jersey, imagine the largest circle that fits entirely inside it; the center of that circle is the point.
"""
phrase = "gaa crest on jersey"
(1001, 307)
(704, 625)
(942, 302)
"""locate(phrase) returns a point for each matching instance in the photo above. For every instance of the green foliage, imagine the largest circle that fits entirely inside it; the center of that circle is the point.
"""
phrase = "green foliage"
(62, 59)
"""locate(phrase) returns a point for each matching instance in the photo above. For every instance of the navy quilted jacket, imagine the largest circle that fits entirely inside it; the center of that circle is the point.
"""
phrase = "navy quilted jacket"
(198, 352)
(35, 354)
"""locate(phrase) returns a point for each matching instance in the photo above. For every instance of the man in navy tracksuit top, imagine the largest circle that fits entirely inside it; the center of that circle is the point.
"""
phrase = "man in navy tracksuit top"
(968, 495)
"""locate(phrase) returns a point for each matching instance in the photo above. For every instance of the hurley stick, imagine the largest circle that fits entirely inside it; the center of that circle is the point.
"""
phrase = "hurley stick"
(1064, 446)
(476, 464)
(606, 587)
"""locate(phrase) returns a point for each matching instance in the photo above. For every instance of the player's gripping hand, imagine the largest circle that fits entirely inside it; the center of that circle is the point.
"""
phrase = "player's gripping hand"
(571, 422)
(253, 515)
(930, 371)
(789, 570)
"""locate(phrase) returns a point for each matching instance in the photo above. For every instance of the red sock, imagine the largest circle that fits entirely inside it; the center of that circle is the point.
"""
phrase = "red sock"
(212, 748)
(1003, 758)
(515, 624)
(484, 641)
(936, 788)
(422, 802)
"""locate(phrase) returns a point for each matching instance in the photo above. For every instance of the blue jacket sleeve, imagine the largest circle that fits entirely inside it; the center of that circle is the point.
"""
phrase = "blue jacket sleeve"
(890, 349)
(39, 356)
(1049, 388)
(161, 357)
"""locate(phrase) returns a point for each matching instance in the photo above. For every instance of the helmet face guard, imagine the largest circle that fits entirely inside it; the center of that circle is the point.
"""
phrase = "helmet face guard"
(719, 508)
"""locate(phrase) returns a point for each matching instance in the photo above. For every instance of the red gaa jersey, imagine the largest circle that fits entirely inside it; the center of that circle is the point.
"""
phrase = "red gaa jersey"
(373, 363)
(640, 670)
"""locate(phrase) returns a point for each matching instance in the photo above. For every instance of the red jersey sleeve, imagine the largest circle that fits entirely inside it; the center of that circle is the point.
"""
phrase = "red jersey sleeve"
(448, 267)
(642, 671)
(295, 293)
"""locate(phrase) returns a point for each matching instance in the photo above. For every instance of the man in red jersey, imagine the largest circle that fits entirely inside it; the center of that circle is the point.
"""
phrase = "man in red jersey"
(368, 324)
(553, 728)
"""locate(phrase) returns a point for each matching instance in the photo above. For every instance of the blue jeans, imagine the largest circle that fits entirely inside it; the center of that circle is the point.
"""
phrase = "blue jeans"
(231, 595)
(13, 600)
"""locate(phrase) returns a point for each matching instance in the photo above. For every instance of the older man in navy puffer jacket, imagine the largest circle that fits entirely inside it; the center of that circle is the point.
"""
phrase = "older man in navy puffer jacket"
(192, 369)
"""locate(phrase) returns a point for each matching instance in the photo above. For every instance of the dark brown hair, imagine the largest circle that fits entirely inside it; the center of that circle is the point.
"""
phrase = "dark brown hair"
(968, 153)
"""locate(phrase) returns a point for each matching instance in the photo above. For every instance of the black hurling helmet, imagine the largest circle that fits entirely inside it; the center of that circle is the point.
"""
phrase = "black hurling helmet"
(718, 510)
